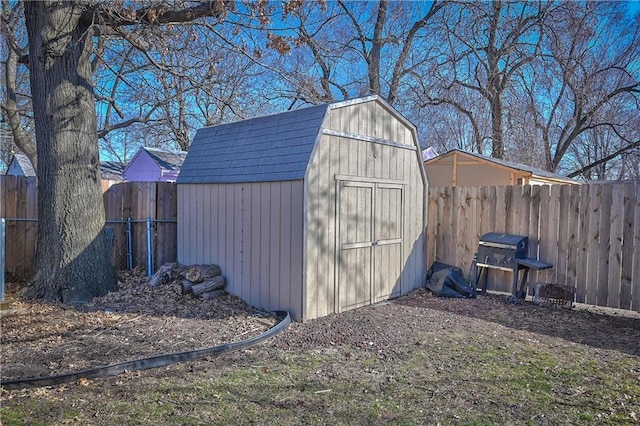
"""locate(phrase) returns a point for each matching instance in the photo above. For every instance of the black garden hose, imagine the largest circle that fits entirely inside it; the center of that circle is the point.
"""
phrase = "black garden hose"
(150, 362)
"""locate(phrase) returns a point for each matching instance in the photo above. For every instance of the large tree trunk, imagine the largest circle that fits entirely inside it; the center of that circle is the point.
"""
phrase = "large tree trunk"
(72, 262)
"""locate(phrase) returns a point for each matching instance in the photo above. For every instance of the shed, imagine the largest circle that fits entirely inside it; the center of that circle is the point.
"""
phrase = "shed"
(460, 168)
(153, 164)
(314, 211)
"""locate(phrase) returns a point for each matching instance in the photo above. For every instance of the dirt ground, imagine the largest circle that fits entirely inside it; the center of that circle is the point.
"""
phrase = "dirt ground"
(136, 321)
(139, 321)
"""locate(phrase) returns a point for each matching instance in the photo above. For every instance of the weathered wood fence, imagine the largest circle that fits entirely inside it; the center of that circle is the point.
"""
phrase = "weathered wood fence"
(135, 200)
(19, 207)
(139, 201)
(591, 233)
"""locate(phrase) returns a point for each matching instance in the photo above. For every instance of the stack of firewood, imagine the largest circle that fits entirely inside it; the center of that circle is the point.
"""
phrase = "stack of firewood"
(204, 281)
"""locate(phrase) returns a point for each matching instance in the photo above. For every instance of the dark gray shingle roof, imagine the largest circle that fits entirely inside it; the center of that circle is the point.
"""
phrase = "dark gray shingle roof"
(112, 170)
(166, 160)
(263, 149)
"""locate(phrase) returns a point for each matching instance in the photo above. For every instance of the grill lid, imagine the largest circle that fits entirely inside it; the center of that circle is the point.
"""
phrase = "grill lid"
(495, 239)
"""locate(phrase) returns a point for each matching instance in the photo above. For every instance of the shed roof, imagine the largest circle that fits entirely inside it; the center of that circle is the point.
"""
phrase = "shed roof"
(516, 166)
(270, 148)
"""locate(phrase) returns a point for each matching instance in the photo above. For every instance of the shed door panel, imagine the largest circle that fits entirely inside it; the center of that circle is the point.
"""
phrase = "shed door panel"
(369, 243)
(356, 241)
(388, 241)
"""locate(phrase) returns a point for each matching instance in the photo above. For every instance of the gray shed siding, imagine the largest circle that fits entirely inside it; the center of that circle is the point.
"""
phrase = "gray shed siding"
(253, 231)
(295, 238)
(366, 153)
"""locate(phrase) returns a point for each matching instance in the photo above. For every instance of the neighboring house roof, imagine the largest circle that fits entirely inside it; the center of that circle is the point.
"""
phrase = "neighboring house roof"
(521, 167)
(154, 164)
(112, 170)
(20, 165)
(429, 153)
(271, 148)
(166, 160)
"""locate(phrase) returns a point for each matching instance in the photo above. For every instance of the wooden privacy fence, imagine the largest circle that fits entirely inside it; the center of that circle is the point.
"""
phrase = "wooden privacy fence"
(135, 200)
(19, 207)
(139, 201)
(590, 232)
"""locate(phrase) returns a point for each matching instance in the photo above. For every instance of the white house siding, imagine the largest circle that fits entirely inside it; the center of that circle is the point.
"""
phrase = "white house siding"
(254, 232)
(341, 154)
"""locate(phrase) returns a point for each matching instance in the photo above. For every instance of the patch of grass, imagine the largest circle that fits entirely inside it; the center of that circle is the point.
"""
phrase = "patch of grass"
(13, 417)
(35, 411)
(501, 377)
(530, 388)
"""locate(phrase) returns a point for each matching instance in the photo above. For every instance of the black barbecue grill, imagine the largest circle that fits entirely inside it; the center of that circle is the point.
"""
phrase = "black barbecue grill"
(509, 253)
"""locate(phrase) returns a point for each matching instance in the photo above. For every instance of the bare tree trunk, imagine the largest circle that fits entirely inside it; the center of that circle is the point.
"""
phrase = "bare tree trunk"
(496, 127)
(72, 262)
(376, 48)
(494, 82)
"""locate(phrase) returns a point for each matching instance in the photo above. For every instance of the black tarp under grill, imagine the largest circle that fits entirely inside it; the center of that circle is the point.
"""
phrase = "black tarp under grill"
(448, 281)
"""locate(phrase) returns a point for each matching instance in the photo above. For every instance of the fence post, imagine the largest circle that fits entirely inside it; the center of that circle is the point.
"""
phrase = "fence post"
(149, 247)
(128, 231)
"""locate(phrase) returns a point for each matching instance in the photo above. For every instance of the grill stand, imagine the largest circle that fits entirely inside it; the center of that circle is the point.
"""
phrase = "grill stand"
(526, 264)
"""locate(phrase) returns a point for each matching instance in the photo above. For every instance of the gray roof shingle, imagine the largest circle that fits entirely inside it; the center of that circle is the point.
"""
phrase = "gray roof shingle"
(112, 170)
(166, 160)
(263, 149)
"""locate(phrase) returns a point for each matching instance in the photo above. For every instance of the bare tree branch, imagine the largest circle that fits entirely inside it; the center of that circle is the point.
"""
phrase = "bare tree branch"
(604, 159)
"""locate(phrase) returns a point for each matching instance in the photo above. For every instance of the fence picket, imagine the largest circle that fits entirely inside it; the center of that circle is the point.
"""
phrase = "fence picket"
(629, 203)
(13, 242)
(593, 243)
(582, 252)
(476, 221)
(604, 246)
(615, 245)
(635, 275)
(462, 247)
(20, 248)
(551, 237)
(573, 231)
(31, 227)
(532, 229)
(444, 225)
(432, 225)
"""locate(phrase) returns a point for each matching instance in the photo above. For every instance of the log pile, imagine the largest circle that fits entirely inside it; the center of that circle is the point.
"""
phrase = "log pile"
(204, 281)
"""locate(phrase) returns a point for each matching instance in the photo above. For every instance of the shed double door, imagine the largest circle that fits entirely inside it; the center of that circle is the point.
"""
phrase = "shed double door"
(368, 242)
